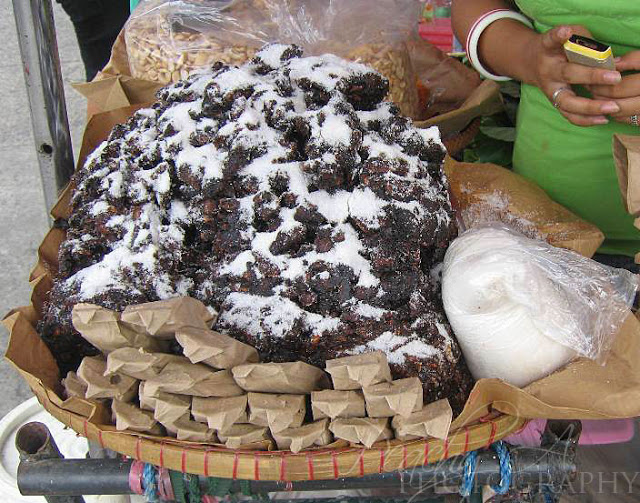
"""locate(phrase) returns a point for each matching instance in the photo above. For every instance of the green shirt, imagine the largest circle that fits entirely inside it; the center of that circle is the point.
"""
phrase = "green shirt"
(575, 164)
(133, 4)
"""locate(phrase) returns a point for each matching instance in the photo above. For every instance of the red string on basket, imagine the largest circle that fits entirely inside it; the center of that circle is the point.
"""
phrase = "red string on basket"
(183, 462)
(138, 456)
(256, 467)
(135, 477)
(381, 469)
(334, 461)
(361, 462)
(466, 439)
(492, 437)
(283, 463)
(310, 471)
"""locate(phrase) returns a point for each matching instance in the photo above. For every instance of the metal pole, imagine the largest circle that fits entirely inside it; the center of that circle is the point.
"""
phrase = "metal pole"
(43, 79)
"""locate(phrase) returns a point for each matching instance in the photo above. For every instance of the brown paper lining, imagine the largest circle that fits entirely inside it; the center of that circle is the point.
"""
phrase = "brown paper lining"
(626, 153)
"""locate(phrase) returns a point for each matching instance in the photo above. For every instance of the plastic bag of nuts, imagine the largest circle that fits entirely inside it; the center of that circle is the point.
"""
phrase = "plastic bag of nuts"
(168, 39)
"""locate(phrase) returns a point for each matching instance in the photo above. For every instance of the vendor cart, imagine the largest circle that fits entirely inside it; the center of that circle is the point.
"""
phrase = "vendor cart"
(513, 473)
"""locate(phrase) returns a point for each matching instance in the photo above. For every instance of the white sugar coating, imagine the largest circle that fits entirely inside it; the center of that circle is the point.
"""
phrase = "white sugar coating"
(233, 135)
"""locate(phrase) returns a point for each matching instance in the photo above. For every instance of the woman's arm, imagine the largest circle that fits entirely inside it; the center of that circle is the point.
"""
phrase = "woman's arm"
(507, 47)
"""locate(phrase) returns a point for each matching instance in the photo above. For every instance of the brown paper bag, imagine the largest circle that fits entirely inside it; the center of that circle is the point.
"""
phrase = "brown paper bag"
(113, 92)
(102, 328)
(355, 372)
(138, 363)
(293, 377)
(169, 408)
(278, 412)
(147, 402)
(626, 153)
(192, 431)
(214, 349)
(193, 379)
(335, 403)
(486, 193)
(220, 413)
(361, 430)
(434, 420)
(74, 386)
(400, 397)
(303, 437)
(161, 319)
(243, 434)
(117, 386)
(130, 417)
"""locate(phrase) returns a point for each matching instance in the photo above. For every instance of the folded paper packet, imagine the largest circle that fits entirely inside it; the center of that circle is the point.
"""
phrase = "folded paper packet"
(388, 399)
(161, 319)
(626, 153)
(147, 402)
(74, 386)
(278, 412)
(103, 328)
(361, 430)
(355, 372)
(139, 363)
(292, 377)
(335, 403)
(433, 420)
(214, 349)
(170, 407)
(220, 413)
(186, 429)
(303, 437)
(116, 386)
(243, 434)
(193, 379)
(130, 417)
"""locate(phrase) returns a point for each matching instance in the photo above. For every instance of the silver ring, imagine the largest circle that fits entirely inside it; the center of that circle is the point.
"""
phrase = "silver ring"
(556, 94)
(634, 120)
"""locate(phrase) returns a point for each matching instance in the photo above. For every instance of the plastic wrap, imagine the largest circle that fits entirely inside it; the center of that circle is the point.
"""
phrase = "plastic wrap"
(521, 308)
(168, 39)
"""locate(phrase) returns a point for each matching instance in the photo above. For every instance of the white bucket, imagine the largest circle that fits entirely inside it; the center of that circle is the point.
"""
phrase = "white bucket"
(70, 444)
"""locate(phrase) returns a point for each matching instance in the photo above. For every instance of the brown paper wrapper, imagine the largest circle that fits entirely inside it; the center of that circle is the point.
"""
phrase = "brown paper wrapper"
(117, 91)
(361, 430)
(303, 437)
(434, 420)
(626, 153)
(388, 399)
(102, 328)
(130, 417)
(278, 412)
(356, 372)
(220, 413)
(193, 379)
(147, 402)
(138, 363)
(486, 193)
(116, 386)
(335, 403)
(293, 377)
(74, 386)
(240, 435)
(214, 349)
(192, 431)
(161, 319)
(169, 408)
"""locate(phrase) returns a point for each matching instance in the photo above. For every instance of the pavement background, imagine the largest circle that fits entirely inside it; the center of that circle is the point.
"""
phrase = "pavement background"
(23, 220)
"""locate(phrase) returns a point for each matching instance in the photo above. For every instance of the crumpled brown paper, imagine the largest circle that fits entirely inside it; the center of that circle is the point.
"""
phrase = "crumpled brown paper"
(220, 413)
(303, 437)
(433, 420)
(147, 402)
(186, 429)
(355, 372)
(118, 91)
(361, 430)
(138, 363)
(161, 319)
(214, 349)
(117, 386)
(626, 153)
(388, 399)
(102, 328)
(240, 435)
(130, 417)
(292, 377)
(74, 386)
(486, 193)
(193, 379)
(170, 407)
(278, 412)
(336, 403)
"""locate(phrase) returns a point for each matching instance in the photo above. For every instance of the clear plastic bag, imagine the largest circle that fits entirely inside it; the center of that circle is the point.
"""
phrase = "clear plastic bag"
(168, 39)
(522, 308)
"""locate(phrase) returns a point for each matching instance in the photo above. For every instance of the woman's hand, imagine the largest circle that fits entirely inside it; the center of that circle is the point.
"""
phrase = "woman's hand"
(627, 92)
(554, 75)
